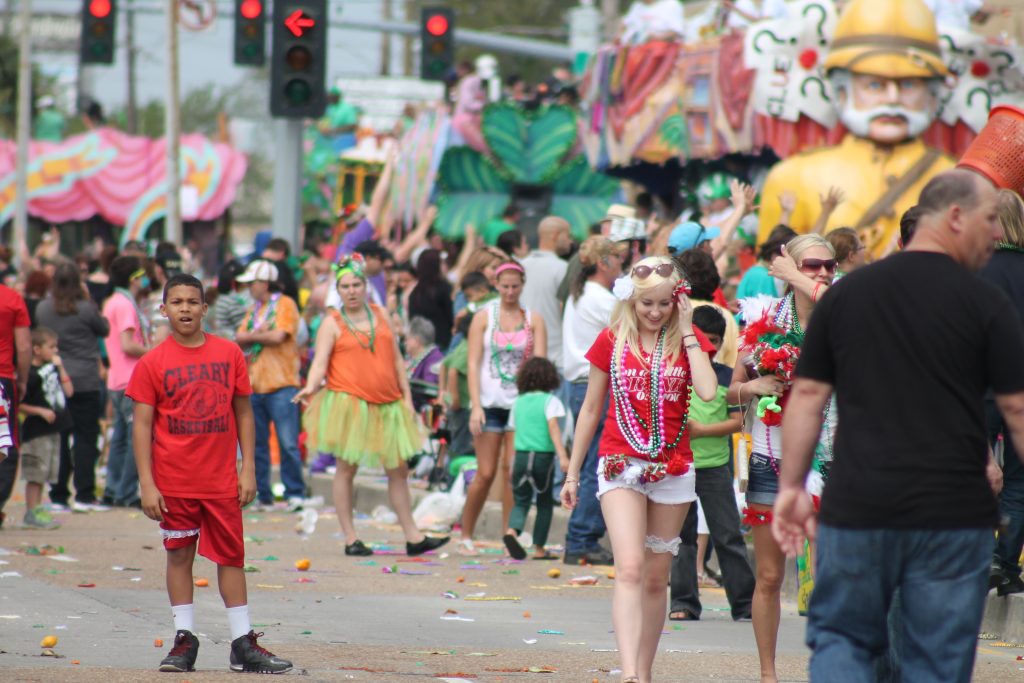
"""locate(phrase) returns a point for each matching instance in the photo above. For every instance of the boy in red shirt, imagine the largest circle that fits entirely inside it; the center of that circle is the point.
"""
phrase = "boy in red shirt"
(192, 411)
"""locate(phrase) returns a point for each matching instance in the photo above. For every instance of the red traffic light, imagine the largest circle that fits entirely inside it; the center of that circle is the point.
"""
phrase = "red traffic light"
(251, 9)
(99, 8)
(437, 25)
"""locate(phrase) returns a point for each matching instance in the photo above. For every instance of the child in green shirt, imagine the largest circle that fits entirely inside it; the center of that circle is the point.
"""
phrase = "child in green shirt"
(538, 438)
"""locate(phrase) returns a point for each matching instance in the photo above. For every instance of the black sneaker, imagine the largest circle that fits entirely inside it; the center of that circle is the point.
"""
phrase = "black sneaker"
(182, 656)
(247, 655)
(426, 545)
(357, 549)
(1012, 584)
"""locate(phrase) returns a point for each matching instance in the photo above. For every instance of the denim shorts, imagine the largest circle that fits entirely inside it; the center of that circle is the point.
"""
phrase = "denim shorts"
(763, 485)
(496, 420)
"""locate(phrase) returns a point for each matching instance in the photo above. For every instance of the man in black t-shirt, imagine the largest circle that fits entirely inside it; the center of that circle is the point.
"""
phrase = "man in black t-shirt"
(910, 346)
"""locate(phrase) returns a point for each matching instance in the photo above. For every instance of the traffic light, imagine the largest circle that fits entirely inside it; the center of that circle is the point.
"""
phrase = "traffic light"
(99, 19)
(250, 33)
(298, 59)
(437, 43)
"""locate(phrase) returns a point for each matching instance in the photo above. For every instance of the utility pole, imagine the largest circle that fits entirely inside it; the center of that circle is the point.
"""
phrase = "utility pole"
(129, 33)
(23, 131)
(407, 55)
(385, 40)
(172, 223)
(610, 13)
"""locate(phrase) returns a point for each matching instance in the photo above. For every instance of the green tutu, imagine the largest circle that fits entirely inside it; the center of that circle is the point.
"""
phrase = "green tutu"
(360, 433)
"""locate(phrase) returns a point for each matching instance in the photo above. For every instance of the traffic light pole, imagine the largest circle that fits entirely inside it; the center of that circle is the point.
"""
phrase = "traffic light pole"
(287, 212)
(172, 223)
(23, 131)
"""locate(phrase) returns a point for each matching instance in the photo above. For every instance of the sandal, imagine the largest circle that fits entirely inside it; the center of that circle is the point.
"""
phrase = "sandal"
(548, 555)
(515, 549)
(466, 548)
(682, 615)
(707, 581)
(357, 549)
(631, 679)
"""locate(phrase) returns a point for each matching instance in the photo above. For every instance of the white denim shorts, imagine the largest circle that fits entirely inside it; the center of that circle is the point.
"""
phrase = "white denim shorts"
(669, 491)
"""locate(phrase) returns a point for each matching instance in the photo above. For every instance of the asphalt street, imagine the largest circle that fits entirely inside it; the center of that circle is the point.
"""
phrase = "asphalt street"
(98, 588)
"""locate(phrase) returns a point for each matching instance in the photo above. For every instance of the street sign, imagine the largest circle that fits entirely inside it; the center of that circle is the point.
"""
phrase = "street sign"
(298, 61)
(197, 15)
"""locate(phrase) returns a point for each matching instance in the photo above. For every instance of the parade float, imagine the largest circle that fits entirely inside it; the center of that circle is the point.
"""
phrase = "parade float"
(781, 88)
(122, 179)
(518, 153)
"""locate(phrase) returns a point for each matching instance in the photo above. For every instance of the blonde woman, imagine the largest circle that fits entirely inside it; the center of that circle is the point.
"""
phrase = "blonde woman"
(814, 260)
(648, 359)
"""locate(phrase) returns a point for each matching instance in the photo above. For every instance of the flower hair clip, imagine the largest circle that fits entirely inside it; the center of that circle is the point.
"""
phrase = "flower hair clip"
(682, 288)
(623, 288)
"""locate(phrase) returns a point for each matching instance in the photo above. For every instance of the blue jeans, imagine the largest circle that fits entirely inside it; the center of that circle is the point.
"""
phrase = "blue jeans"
(122, 473)
(277, 407)
(586, 525)
(1011, 499)
(942, 577)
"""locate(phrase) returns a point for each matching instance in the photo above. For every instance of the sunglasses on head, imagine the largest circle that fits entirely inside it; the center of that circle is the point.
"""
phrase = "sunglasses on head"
(815, 264)
(644, 272)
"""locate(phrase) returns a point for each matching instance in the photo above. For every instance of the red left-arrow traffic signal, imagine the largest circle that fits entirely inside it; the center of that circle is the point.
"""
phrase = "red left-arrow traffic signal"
(298, 59)
(297, 22)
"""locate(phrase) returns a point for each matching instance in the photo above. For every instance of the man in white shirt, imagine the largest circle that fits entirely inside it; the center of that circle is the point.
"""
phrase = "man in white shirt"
(588, 310)
(653, 20)
(545, 270)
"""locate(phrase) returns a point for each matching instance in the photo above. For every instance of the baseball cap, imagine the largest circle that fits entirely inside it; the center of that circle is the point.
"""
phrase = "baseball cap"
(688, 235)
(259, 271)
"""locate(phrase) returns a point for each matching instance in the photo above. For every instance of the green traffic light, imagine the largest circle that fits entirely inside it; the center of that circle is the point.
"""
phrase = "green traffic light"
(297, 92)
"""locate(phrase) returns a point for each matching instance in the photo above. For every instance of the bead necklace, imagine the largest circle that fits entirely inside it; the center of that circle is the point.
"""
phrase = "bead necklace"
(143, 323)
(261, 322)
(414, 362)
(786, 318)
(631, 424)
(508, 348)
(356, 332)
(1006, 246)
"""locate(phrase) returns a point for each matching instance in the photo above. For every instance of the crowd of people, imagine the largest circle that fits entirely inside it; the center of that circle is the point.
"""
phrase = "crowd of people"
(612, 376)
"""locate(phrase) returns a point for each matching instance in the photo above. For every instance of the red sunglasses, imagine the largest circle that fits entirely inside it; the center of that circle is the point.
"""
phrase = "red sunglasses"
(813, 265)
(644, 272)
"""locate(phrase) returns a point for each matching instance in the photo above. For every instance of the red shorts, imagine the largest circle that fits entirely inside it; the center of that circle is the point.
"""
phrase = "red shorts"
(216, 521)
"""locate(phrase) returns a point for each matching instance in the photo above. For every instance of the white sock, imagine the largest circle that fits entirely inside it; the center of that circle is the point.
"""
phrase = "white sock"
(184, 618)
(238, 621)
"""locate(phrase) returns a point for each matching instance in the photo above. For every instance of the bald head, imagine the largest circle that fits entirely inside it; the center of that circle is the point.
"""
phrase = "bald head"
(553, 235)
(958, 216)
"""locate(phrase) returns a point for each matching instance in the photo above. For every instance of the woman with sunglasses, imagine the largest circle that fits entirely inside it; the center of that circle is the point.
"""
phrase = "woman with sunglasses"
(776, 325)
(366, 416)
(649, 358)
(502, 337)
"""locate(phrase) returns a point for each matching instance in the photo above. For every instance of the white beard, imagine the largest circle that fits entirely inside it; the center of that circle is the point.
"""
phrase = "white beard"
(858, 121)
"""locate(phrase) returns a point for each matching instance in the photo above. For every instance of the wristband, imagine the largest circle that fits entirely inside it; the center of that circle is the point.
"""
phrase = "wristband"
(689, 335)
(692, 346)
(569, 480)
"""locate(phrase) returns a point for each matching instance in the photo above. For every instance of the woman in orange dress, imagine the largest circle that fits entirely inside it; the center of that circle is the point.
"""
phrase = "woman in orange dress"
(365, 416)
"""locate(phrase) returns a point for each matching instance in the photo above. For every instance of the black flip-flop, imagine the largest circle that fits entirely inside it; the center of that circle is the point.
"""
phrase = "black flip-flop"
(548, 555)
(514, 548)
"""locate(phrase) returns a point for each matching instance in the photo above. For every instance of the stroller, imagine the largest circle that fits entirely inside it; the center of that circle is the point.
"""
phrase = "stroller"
(431, 462)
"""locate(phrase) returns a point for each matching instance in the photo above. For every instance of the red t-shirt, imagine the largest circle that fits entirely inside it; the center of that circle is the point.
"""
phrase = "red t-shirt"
(13, 313)
(195, 437)
(636, 380)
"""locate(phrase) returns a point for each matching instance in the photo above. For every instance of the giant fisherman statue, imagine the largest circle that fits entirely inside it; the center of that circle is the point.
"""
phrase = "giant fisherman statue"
(885, 70)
